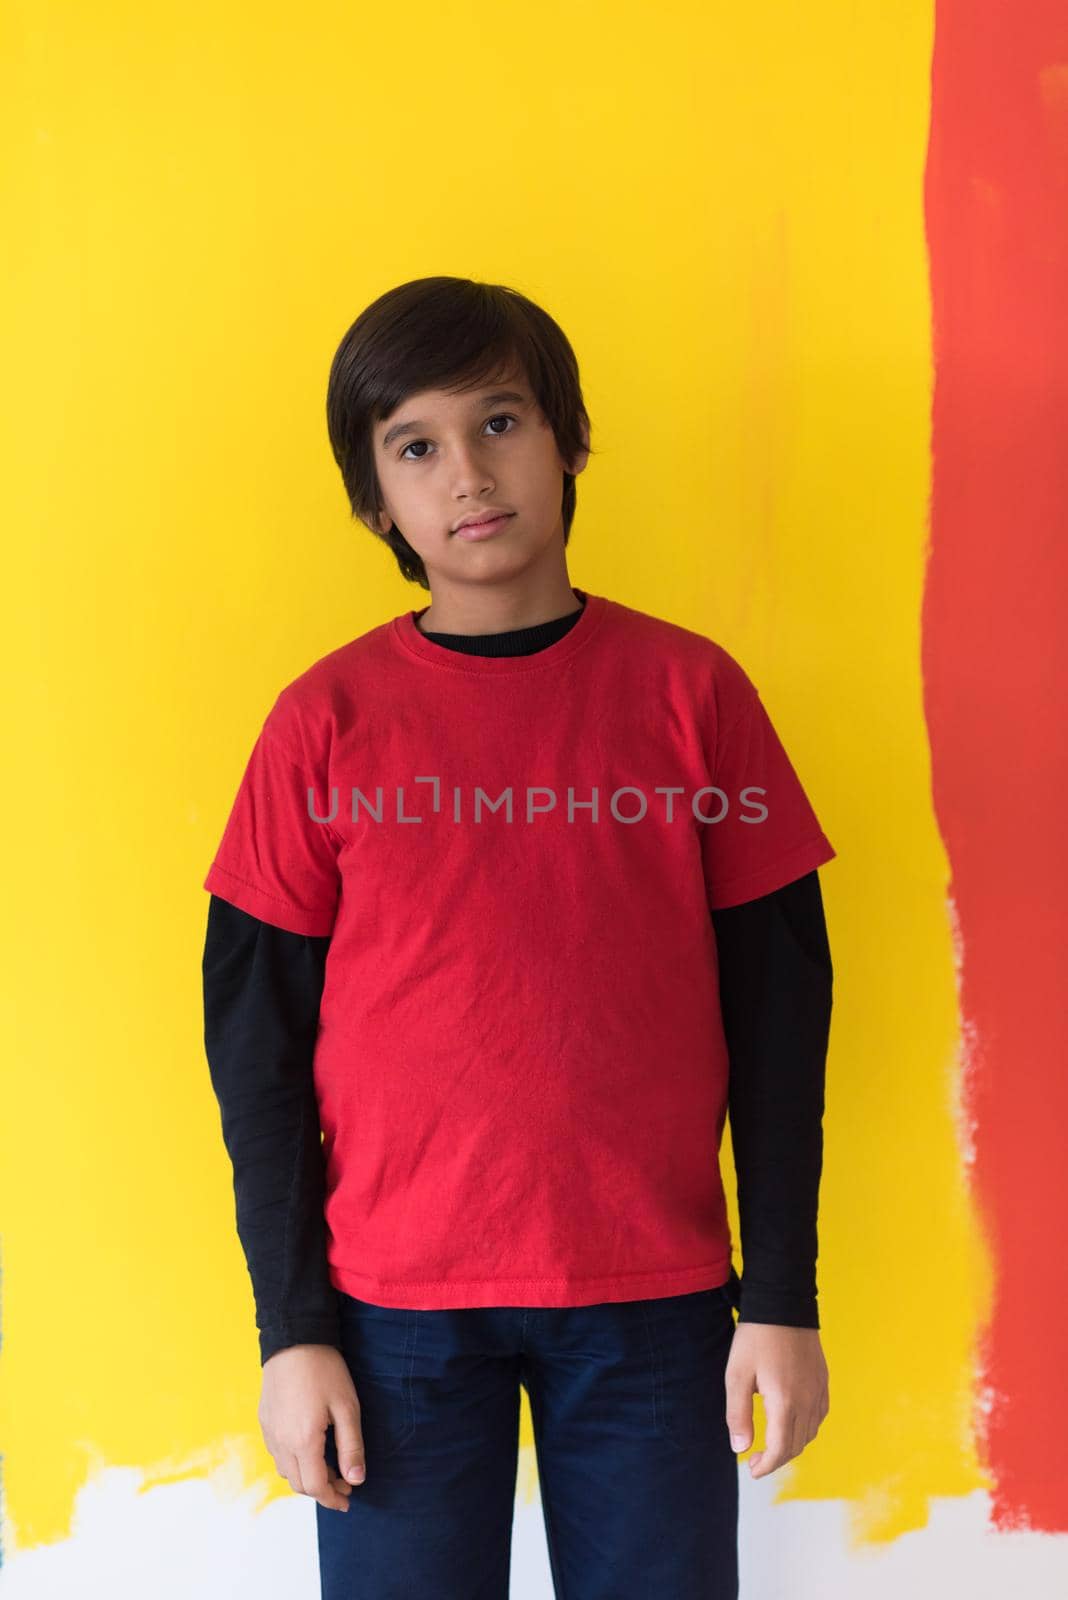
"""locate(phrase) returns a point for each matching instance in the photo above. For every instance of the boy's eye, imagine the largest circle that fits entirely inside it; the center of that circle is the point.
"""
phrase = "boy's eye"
(501, 417)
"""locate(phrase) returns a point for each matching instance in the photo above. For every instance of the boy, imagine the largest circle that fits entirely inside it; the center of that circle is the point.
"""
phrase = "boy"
(507, 884)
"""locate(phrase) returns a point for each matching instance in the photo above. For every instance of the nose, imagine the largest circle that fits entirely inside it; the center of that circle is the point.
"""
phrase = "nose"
(471, 473)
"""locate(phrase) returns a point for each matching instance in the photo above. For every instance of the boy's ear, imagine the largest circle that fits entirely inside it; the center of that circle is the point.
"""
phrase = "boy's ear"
(579, 461)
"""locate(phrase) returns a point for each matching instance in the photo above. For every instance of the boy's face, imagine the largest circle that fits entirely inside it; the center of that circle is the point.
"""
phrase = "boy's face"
(460, 455)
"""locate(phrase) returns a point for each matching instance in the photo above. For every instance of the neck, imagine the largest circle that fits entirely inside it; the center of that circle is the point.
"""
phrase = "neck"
(475, 611)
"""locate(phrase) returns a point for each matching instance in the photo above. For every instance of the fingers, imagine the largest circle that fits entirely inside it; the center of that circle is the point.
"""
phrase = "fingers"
(288, 1468)
(307, 1472)
(320, 1483)
(788, 1432)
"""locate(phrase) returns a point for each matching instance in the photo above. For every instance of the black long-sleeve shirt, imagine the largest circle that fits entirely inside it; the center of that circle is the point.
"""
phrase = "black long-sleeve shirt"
(262, 991)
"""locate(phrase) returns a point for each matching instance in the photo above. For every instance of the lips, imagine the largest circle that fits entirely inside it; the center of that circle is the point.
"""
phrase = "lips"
(491, 513)
(485, 528)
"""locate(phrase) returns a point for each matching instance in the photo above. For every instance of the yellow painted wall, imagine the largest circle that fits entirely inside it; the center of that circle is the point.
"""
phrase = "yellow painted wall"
(722, 207)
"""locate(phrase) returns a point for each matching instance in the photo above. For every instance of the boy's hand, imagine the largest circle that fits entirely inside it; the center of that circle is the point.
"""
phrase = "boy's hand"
(305, 1388)
(787, 1368)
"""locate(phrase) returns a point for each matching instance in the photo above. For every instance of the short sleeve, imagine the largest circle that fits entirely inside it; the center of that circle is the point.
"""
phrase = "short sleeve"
(767, 834)
(275, 860)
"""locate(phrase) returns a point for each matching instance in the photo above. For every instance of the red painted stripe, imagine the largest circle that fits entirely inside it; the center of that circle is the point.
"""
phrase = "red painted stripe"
(995, 666)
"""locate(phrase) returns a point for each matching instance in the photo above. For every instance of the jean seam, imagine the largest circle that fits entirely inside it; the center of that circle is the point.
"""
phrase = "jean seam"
(656, 1361)
(411, 1333)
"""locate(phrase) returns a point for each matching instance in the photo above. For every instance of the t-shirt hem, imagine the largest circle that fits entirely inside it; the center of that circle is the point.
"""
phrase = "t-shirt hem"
(563, 1290)
(267, 907)
(815, 852)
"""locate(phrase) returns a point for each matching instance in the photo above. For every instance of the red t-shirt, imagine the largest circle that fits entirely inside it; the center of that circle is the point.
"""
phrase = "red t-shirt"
(520, 1066)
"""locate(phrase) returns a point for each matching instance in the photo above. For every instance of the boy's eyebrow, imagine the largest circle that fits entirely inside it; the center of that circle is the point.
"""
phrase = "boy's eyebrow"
(499, 398)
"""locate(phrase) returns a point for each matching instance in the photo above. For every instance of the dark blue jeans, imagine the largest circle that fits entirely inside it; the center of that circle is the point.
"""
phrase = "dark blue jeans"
(637, 1478)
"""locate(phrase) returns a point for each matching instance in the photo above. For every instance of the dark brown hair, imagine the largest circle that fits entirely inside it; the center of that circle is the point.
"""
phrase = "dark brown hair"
(443, 333)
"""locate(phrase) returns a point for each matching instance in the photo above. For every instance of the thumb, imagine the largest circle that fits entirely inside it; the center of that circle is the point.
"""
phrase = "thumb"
(348, 1437)
(740, 1419)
